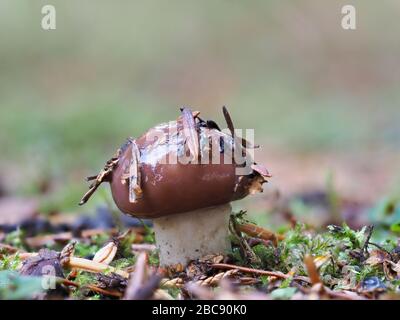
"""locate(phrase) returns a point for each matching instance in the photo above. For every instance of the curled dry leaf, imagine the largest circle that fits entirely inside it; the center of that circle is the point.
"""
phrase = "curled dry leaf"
(107, 253)
(46, 262)
(377, 257)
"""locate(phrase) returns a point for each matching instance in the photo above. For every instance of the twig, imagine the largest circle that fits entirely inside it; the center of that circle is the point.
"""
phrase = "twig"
(276, 274)
(312, 269)
(101, 177)
(258, 232)
(228, 121)
(90, 178)
(112, 293)
(369, 231)
(92, 266)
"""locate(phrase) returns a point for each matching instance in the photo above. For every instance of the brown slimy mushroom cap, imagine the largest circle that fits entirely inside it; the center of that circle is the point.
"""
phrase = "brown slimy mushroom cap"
(181, 166)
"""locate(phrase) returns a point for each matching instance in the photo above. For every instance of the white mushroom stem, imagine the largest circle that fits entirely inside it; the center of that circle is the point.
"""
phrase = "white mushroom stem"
(191, 235)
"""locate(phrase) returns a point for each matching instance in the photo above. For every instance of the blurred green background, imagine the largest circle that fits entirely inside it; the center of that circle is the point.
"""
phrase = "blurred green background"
(69, 97)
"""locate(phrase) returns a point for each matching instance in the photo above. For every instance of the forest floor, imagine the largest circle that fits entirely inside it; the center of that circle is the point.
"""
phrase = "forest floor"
(302, 239)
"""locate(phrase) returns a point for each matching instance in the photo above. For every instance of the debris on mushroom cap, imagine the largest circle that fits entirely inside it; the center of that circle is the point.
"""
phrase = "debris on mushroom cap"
(181, 166)
(135, 191)
(190, 133)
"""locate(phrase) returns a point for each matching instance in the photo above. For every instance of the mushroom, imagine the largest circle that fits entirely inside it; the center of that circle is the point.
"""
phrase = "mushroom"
(183, 174)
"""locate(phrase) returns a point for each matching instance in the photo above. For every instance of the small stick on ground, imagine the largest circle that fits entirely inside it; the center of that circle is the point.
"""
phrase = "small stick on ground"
(92, 266)
(101, 177)
(312, 269)
(226, 266)
(369, 231)
(258, 232)
(111, 293)
(276, 274)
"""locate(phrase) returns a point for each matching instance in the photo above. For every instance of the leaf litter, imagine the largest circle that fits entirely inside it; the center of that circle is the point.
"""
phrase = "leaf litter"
(299, 262)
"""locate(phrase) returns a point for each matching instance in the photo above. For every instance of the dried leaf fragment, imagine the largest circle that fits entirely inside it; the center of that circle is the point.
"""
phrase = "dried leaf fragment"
(377, 257)
(107, 253)
(135, 191)
(46, 262)
(190, 132)
(262, 170)
(229, 121)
